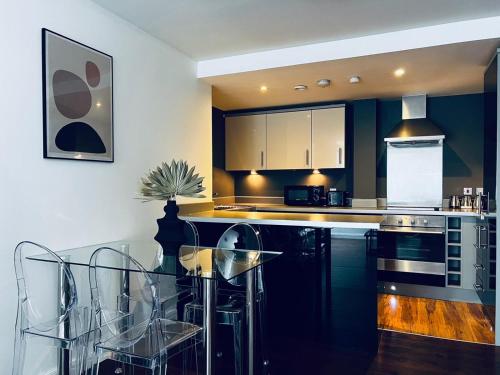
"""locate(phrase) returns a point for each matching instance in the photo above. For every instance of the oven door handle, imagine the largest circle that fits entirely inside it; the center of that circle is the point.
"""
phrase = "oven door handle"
(407, 230)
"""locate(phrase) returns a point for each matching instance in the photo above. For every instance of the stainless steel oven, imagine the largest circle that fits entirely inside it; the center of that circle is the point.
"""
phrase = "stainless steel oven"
(411, 249)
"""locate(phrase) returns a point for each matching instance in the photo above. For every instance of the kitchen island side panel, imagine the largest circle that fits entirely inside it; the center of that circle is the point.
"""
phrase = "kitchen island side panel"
(321, 290)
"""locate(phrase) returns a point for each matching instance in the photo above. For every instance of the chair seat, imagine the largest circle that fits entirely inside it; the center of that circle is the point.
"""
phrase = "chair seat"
(63, 334)
(225, 314)
(153, 347)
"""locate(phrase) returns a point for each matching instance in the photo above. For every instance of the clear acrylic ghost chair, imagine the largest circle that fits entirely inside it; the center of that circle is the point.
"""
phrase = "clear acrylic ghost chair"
(174, 291)
(48, 308)
(192, 238)
(231, 310)
(126, 312)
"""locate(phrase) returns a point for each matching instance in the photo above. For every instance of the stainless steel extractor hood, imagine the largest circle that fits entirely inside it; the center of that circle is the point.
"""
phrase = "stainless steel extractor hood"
(414, 126)
(415, 159)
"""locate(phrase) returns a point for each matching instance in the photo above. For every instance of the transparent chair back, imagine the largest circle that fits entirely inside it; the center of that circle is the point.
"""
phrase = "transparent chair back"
(238, 236)
(124, 297)
(190, 246)
(191, 239)
(191, 236)
(47, 304)
(171, 289)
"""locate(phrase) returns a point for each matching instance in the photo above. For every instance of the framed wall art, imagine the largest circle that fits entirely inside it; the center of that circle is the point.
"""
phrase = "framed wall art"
(77, 100)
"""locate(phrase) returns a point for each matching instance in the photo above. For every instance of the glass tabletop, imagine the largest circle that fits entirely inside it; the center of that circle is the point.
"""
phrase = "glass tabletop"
(199, 261)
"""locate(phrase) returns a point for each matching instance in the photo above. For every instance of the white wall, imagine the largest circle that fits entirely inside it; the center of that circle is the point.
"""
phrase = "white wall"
(161, 112)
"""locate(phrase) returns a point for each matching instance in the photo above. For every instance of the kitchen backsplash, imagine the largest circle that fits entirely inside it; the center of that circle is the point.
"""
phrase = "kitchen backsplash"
(271, 183)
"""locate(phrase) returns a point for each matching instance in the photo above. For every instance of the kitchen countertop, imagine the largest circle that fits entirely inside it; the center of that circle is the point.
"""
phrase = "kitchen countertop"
(260, 207)
(312, 220)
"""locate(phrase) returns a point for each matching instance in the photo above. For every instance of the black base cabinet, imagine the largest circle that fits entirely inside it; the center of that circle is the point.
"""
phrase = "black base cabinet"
(321, 297)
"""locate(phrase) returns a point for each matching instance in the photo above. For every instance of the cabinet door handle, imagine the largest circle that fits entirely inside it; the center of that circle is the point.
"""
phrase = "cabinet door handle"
(479, 238)
(478, 287)
(307, 157)
(262, 158)
(340, 155)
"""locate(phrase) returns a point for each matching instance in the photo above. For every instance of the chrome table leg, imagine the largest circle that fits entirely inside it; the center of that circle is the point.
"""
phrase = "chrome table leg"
(63, 357)
(251, 320)
(209, 303)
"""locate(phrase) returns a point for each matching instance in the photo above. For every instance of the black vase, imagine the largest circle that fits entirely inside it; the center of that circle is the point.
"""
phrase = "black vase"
(170, 230)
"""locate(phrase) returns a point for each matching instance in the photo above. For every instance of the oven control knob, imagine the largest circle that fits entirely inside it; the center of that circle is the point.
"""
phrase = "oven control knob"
(400, 221)
(426, 221)
(412, 221)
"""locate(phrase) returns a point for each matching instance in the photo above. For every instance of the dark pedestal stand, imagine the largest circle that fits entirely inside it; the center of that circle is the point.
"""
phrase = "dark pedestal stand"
(170, 230)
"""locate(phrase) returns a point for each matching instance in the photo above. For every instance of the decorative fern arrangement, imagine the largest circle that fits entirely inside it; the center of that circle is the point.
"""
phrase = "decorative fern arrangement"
(166, 182)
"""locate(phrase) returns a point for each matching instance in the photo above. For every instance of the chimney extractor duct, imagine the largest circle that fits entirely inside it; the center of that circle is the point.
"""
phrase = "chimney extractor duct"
(415, 128)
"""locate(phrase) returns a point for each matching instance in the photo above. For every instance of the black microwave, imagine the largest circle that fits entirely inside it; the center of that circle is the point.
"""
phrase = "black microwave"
(304, 195)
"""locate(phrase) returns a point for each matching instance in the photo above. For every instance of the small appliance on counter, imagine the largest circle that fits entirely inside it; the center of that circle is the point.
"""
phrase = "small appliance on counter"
(454, 201)
(481, 202)
(336, 198)
(304, 195)
(466, 202)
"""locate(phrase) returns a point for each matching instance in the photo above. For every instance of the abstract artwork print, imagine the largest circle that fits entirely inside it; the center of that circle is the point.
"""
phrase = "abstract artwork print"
(77, 100)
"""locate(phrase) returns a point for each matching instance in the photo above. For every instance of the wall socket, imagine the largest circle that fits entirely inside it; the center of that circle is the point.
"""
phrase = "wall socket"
(467, 191)
(479, 190)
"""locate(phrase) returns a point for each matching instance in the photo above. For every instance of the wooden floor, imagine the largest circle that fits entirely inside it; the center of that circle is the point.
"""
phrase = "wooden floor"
(445, 319)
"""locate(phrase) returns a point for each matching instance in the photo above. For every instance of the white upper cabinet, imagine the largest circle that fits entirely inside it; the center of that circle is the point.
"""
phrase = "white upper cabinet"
(289, 140)
(328, 138)
(246, 142)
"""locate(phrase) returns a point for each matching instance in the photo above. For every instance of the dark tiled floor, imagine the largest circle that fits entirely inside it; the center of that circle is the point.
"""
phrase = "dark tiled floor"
(399, 354)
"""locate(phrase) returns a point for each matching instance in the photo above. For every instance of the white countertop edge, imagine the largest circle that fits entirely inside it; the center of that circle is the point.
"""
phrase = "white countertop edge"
(298, 223)
(366, 211)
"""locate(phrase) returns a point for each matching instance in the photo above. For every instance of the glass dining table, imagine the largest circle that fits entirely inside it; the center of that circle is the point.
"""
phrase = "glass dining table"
(207, 264)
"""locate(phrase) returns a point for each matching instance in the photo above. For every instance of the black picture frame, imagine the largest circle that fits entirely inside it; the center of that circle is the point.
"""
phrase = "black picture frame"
(78, 134)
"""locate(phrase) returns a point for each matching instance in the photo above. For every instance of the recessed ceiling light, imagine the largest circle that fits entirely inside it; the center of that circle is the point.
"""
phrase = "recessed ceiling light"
(300, 87)
(323, 82)
(354, 79)
(399, 72)
(263, 88)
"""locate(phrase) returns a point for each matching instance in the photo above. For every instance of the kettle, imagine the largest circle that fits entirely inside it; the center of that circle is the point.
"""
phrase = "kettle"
(480, 202)
(466, 201)
(454, 201)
